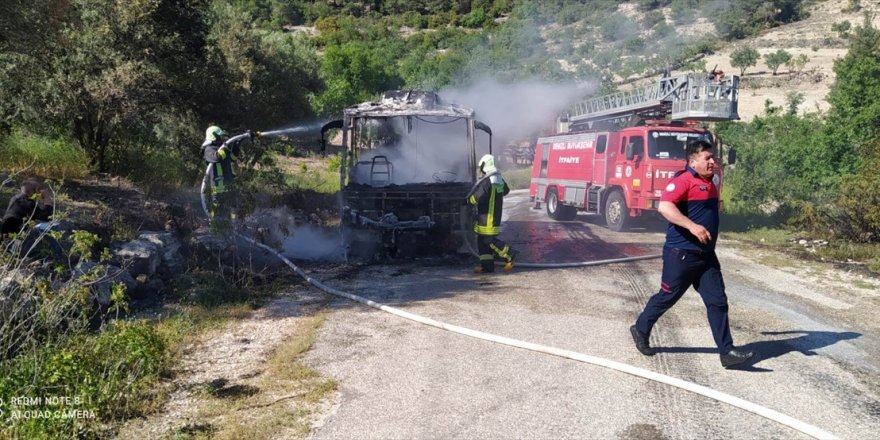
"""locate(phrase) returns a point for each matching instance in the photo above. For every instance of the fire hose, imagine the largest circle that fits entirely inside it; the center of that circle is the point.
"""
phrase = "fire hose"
(737, 402)
(469, 237)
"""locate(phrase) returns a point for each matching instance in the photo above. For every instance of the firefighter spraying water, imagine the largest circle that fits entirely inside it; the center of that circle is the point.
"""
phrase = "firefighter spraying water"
(220, 153)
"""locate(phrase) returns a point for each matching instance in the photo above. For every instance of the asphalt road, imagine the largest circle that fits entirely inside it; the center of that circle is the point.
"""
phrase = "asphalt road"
(815, 334)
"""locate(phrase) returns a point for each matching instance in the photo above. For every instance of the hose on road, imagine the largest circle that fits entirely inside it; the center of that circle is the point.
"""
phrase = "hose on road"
(719, 396)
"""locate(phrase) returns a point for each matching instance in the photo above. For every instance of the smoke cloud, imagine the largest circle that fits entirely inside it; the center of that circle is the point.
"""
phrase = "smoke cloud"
(416, 149)
(285, 228)
(521, 109)
(311, 243)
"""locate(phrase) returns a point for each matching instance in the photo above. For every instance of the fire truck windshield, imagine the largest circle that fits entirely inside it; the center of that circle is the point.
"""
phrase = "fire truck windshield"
(664, 144)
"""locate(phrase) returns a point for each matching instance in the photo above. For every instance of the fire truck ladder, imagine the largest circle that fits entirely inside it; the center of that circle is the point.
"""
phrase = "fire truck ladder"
(687, 96)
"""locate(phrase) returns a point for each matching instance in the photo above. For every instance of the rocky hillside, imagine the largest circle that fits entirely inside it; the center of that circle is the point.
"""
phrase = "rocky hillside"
(815, 38)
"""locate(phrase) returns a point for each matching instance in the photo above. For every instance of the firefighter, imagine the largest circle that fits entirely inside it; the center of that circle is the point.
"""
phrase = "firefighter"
(690, 204)
(217, 152)
(488, 197)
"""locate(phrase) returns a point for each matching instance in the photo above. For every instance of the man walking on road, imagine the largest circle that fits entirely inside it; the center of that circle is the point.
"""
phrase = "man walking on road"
(690, 204)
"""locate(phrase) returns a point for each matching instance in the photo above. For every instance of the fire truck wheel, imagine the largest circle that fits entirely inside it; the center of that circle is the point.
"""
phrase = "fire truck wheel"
(616, 212)
(556, 210)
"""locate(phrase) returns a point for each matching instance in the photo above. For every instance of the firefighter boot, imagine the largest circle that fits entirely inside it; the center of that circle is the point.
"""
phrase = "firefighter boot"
(511, 255)
(485, 267)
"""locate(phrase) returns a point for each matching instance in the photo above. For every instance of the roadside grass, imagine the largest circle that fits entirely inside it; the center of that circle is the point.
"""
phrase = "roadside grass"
(126, 368)
(784, 240)
(867, 253)
(322, 181)
(518, 178)
(279, 402)
(25, 152)
(313, 172)
(766, 236)
(103, 378)
(750, 226)
(157, 170)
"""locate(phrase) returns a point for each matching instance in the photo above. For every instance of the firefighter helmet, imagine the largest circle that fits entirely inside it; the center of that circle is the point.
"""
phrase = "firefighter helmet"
(213, 133)
(487, 164)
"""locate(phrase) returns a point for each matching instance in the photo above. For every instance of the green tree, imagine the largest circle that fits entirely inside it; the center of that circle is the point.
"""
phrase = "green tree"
(793, 100)
(256, 78)
(354, 72)
(781, 160)
(776, 59)
(855, 95)
(130, 80)
(797, 64)
(744, 57)
(743, 18)
(100, 70)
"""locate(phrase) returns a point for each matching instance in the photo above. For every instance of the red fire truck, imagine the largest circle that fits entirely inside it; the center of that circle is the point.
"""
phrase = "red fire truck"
(620, 173)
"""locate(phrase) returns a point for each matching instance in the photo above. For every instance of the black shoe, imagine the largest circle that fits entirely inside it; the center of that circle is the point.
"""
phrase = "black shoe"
(641, 341)
(736, 357)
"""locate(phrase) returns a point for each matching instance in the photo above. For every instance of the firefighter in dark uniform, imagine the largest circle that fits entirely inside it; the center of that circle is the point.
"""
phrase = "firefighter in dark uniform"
(221, 155)
(488, 196)
(690, 204)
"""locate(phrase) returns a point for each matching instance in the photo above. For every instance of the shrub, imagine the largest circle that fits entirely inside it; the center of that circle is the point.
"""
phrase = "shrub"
(855, 213)
(50, 157)
(776, 59)
(474, 19)
(156, 169)
(842, 28)
(334, 163)
(105, 378)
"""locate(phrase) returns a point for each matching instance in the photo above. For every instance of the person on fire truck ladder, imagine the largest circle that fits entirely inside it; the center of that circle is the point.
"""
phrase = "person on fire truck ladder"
(488, 196)
(221, 177)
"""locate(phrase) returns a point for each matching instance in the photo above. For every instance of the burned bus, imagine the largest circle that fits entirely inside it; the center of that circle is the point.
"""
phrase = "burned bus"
(408, 163)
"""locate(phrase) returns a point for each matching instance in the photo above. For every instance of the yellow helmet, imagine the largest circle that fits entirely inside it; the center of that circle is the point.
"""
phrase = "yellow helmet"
(213, 133)
(487, 164)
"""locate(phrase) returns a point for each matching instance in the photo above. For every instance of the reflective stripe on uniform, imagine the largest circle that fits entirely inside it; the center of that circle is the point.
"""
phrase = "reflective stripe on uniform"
(487, 230)
(503, 253)
(490, 216)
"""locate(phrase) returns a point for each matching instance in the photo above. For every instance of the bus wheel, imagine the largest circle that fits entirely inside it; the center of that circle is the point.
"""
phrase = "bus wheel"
(616, 212)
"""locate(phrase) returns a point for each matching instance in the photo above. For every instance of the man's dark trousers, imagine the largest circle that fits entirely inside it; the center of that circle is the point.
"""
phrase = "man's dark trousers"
(681, 269)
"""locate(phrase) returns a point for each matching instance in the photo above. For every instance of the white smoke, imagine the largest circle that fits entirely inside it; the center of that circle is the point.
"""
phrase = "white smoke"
(422, 149)
(307, 242)
(521, 109)
(286, 228)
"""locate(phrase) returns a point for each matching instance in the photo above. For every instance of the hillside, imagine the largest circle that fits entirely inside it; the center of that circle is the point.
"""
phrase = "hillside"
(812, 36)
(815, 38)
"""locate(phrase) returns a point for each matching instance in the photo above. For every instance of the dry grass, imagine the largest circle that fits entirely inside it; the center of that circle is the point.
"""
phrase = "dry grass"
(276, 404)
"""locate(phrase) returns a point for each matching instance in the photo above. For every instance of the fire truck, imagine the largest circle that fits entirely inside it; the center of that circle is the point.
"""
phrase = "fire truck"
(590, 165)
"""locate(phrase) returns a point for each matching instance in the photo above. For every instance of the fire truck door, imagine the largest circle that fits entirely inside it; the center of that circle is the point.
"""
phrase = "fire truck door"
(600, 161)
